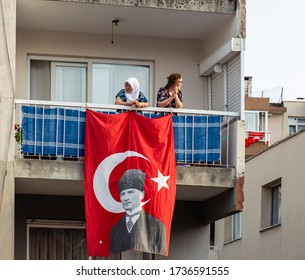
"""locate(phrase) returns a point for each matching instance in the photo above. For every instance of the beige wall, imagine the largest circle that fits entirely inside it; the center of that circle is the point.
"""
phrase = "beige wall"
(222, 35)
(276, 127)
(167, 55)
(295, 108)
(287, 241)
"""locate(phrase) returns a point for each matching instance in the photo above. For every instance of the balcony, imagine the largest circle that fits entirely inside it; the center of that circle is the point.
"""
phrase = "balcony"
(53, 130)
(256, 142)
(49, 159)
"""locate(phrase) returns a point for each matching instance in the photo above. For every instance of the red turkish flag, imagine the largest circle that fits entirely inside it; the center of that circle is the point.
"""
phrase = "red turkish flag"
(254, 136)
(116, 146)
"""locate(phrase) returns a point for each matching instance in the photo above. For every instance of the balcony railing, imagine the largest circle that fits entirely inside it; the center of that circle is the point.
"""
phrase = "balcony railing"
(56, 130)
(257, 136)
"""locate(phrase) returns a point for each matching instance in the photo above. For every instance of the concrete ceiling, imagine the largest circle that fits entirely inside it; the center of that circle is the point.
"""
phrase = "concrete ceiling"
(134, 21)
(76, 188)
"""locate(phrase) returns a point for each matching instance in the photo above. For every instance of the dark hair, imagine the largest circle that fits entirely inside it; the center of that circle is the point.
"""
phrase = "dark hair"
(172, 78)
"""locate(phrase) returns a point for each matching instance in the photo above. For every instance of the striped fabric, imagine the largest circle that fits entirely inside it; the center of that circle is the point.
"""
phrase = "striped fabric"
(60, 132)
(53, 131)
(197, 138)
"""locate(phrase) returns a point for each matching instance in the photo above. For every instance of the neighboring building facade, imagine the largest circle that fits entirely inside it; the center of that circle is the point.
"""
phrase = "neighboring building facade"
(272, 224)
(294, 120)
(55, 43)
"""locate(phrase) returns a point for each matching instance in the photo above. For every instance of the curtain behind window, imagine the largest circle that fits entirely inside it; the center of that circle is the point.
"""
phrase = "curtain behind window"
(70, 84)
(57, 244)
(275, 205)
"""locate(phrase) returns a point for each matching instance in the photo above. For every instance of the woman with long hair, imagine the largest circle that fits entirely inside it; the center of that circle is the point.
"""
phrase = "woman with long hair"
(170, 96)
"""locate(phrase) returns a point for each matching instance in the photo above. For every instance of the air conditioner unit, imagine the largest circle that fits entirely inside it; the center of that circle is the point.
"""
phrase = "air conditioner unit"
(213, 248)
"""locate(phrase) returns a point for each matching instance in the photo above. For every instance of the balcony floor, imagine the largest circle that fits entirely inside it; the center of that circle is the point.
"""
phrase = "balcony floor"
(54, 177)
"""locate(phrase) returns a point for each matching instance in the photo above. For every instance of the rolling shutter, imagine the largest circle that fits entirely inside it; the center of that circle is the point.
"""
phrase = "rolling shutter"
(226, 87)
(217, 92)
(234, 84)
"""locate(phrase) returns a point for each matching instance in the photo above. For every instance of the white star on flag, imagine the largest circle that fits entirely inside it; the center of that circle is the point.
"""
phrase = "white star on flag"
(161, 180)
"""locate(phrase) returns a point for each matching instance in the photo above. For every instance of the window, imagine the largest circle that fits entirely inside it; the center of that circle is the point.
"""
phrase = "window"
(66, 240)
(256, 121)
(69, 82)
(56, 240)
(233, 227)
(296, 124)
(275, 213)
(108, 79)
(84, 80)
(271, 204)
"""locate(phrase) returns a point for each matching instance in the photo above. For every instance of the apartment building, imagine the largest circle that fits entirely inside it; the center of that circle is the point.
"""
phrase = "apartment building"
(67, 54)
(271, 227)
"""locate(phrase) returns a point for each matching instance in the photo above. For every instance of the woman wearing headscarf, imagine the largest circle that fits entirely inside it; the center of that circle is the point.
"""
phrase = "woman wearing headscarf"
(131, 95)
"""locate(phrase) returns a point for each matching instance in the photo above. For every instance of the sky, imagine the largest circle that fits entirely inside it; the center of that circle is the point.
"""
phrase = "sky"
(275, 48)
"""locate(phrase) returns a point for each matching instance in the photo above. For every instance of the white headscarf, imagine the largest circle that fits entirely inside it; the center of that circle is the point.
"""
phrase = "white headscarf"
(135, 89)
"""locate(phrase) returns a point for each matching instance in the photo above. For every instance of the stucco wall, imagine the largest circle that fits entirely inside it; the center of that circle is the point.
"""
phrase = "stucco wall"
(7, 92)
(286, 161)
(276, 127)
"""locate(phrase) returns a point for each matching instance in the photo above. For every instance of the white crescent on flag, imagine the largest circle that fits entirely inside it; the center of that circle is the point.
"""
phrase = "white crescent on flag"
(101, 180)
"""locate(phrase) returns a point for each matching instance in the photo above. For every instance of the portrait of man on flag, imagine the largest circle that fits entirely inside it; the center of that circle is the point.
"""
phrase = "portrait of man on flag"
(130, 183)
(136, 230)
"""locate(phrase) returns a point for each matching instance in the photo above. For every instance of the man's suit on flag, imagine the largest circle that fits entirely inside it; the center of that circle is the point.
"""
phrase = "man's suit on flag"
(148, 235)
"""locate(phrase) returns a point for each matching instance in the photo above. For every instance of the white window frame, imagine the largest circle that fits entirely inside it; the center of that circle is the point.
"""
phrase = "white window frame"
(259, 123)
(258, 119)
(295, 122)
(89, 63)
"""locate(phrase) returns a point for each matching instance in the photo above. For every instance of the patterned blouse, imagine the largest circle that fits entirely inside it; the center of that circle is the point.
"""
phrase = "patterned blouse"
(163, 94)
(142, 98)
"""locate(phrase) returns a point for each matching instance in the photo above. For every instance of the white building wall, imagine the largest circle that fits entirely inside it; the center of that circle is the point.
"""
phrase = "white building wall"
(285, 160)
